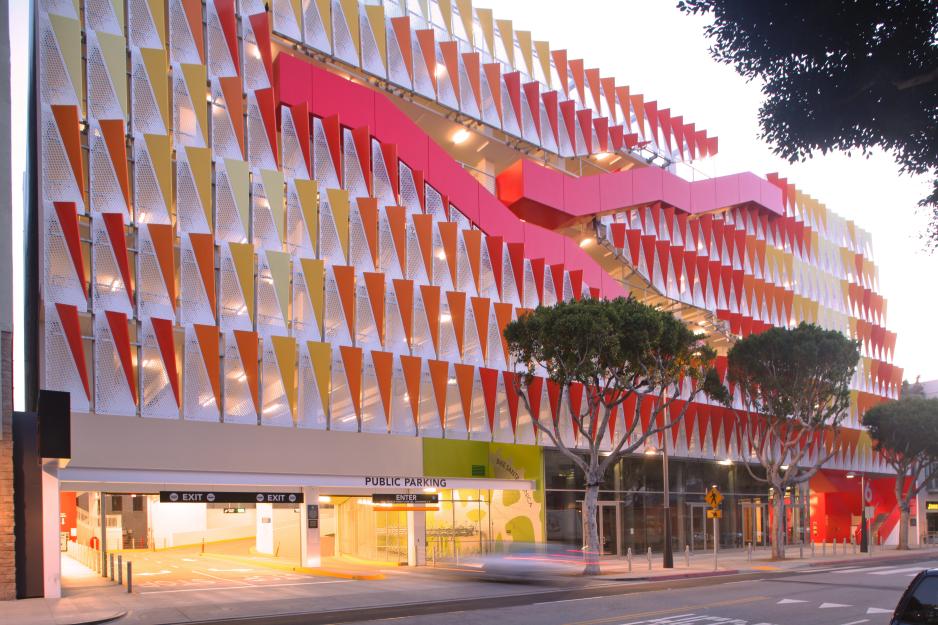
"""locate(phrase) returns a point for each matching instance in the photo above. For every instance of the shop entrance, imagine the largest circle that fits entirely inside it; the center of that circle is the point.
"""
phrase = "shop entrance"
(365, 531)
(755, 521)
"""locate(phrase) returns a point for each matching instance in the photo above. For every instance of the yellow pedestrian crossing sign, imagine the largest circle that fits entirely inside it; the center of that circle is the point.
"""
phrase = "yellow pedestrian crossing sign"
(714, 497)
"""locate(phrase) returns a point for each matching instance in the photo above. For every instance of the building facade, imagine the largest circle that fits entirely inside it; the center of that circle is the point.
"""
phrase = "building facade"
(278, 243)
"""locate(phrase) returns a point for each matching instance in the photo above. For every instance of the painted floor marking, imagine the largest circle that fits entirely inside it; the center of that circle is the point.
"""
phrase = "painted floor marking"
(212, 589)
(784, 601)
(877, 611)
(825, 606)
(224, 579)
(863, 620)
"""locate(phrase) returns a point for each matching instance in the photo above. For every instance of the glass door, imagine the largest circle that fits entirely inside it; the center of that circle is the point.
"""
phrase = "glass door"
(608, 521)
(391, 536)
(697, 513)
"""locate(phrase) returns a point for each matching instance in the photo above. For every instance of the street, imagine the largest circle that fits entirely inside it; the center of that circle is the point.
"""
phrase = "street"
(834, 595)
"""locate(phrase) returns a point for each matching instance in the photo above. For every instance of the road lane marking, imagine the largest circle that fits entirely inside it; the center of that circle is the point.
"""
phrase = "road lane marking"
(784, 601)
(640, 615)
(857, 622)
(863, 569)
(564, 600)
(915, 569)
(825, 606)
(877, 611)
(213, 589)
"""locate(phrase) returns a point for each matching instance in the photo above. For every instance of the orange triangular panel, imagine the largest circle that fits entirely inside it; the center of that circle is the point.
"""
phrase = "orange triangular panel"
(457, 312)
(352, 363)
(345, 284)
(374, 283)
(384, 365)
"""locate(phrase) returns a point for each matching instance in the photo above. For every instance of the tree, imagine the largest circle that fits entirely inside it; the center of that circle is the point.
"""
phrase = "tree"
(614, 350)
(905, 432)
(794, 388)
(838, 75)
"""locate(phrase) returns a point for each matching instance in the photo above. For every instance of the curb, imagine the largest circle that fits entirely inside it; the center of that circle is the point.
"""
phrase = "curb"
(661, 578)
(95, 621)
(896, 555)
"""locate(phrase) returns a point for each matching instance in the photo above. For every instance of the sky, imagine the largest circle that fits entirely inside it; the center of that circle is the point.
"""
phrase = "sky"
(658, 51)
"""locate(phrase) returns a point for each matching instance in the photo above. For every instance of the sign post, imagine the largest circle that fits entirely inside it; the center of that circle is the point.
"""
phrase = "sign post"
(715, 498)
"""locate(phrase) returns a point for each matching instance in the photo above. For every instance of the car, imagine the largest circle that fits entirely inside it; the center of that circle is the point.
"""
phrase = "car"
(919, 602)
(527, 563)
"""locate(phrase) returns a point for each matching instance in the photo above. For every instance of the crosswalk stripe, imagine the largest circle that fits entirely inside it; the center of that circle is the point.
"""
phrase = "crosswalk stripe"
(862, 569)
(915, 569)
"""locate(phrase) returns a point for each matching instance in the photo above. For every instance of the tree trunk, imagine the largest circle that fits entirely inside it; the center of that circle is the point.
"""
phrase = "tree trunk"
(903, 526)
(778, 525)
(591, 526)
(903, 513)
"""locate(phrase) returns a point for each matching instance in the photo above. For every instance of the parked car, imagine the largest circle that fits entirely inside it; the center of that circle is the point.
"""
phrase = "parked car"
(919, 602)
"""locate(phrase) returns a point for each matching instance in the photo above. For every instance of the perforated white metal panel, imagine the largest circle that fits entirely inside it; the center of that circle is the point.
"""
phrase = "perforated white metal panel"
(270, 318)
(108, 290)
(275, 409)
(103, 102)
(105, 191)
(239, 406)
(194, 306)
(111, 392)
(309, 403)
(220, 64)
(260, 153)
(190, 214)
(152, 293)
(58, 179)
(234, 312)
(149, 203)
(323, 167)
(156, 397)
(266, 232)
(294, 165)
(146, 112)
(182, 47)
(285, 20)
(186, 129)
(298, 242)
(61, 281)
(314, 31)
(354, 180)
(198, 397)
(56, 86)
(61, 374)
(228, 224)
(224, 141)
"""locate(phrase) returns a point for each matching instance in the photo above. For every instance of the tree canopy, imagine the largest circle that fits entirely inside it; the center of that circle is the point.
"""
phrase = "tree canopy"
(794, 385)
(838, 75)
(905, 432)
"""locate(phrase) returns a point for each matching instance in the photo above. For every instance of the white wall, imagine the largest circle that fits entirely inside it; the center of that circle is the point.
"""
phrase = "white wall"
(171, 519)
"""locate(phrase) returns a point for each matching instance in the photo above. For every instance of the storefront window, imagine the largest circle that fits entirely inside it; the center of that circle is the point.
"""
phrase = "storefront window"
(635, 485)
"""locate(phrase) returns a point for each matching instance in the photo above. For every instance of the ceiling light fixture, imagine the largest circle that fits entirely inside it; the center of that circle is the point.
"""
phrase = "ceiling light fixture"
(460, 136)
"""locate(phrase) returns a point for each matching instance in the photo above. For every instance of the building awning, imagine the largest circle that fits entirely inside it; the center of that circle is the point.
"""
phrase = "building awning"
(141, 480)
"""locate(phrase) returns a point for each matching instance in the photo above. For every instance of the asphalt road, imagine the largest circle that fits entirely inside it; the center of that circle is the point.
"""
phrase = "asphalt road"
(845, 595)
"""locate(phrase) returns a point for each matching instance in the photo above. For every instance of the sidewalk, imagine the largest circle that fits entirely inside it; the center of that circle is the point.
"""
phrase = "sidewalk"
(91, 599)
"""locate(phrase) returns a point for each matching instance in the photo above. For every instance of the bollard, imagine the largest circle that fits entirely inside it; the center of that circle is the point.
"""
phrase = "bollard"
(687, 555)
(823, 548)
(801, 551)
(130, 577)
(120, 569)
(812, 548)
(649, 558)
(110, 566)
(203, 545)
(749, 551)
(628, 556)
(854, 547)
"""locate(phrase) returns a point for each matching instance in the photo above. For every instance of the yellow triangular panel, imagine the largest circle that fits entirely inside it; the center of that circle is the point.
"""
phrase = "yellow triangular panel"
(543, 56)
(200, 162)
(465, 14)
(339, 203)
(160, 157)
(68, 34)
(159, 19)
(285, 350)
(321, 356)
(488, 29)
(273, 189)
(446, 11)
(279, 265)
(241, 189)
(508, 39)
(114, 51)
(242, 255)
(527, 52)
(350, 8)
(155, 63)
(375, 14)
(314, 273)
(308, 193)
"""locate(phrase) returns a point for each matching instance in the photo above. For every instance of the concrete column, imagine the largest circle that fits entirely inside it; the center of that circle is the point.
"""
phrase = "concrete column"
(264, 539)
(416, 538)
(51, 557)
(309, 528)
